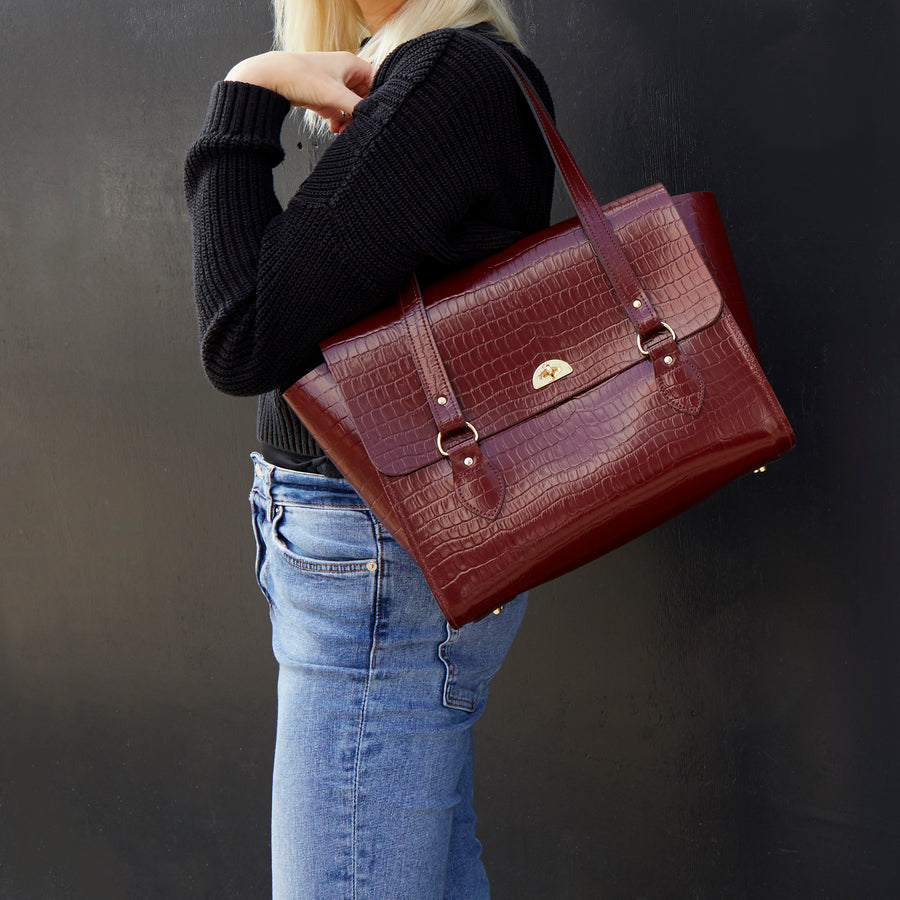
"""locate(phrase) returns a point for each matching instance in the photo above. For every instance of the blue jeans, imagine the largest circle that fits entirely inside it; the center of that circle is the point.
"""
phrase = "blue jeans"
(377, 695)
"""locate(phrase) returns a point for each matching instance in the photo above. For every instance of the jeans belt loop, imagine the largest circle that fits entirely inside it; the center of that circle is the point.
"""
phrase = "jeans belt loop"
(264, 474)
(271, 505)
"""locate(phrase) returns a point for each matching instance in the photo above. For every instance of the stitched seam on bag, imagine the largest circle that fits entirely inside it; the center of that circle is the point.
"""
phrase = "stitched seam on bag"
(758, 374)
(494, 511)
(676, 400)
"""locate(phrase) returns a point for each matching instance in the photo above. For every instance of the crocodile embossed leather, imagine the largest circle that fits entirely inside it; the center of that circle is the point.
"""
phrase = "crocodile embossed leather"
(538, 409)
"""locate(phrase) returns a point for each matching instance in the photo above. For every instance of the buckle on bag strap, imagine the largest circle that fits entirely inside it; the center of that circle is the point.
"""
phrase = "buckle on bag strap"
(664, 325)
(440, 445)
(479, 484)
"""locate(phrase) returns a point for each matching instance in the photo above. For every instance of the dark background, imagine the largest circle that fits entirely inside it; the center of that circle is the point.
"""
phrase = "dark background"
(710, 712)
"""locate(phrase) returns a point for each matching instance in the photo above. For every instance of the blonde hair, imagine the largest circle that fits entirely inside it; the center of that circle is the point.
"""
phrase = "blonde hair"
(302, 26)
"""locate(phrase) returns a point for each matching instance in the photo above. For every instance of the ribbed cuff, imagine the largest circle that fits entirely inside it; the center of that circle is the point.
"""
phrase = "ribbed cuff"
(248, 111)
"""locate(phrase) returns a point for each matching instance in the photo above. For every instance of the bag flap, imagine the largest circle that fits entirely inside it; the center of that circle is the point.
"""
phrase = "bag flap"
(498, 322)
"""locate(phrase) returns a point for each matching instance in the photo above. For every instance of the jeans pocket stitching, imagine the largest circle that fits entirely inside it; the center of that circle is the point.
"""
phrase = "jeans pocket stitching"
(261, 560)
(452, 700)
(307, 564)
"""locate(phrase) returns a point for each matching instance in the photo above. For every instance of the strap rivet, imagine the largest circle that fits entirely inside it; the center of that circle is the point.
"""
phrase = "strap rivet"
(668, 360)
(469, 461)
(636, 304)
(442, 401)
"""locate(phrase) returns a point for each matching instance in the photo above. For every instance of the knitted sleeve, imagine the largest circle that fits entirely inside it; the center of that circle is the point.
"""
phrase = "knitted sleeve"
(428, 145)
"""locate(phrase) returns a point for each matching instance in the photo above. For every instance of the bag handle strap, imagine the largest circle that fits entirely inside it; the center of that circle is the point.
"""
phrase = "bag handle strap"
(597, 227)
(442, 400)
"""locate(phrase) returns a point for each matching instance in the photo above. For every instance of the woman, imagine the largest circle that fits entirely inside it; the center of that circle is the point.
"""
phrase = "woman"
(437, 163)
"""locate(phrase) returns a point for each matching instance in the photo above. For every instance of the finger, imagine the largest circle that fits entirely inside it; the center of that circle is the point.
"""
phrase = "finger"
(361, 83)
(337, 119)
(332, 113)
(347, 100)
(357, 74)
(353, 73)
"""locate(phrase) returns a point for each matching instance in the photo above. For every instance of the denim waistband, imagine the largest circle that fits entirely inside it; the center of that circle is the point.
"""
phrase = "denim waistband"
(305, 488)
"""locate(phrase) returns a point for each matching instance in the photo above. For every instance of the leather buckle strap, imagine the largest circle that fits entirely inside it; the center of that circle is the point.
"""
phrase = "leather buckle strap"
(442, 401)
(479, 484)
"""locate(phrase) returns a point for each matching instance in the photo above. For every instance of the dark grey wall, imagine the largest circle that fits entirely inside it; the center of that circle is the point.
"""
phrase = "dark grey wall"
(710, 712)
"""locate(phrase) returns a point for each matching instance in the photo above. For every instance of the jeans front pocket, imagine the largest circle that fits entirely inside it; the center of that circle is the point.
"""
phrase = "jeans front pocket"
(322, 573)
(316, 540)
(473, 654)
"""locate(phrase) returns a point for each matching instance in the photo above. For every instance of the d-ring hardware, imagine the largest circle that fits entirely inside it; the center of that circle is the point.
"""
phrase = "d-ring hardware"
(471, 428)
(664, 325)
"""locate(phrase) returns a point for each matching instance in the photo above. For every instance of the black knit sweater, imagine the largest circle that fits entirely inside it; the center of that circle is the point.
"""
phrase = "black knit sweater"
(441, 165)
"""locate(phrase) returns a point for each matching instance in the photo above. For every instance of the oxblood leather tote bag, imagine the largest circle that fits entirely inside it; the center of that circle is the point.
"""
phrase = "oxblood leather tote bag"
(526, 415)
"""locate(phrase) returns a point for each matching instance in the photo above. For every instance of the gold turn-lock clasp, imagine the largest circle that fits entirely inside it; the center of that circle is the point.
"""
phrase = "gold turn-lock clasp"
(550, 371)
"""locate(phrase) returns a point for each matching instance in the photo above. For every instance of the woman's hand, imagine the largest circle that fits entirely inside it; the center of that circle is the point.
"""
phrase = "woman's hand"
(330, 84)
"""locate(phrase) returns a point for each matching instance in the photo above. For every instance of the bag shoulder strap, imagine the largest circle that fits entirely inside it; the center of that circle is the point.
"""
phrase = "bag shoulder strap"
(445, 407)
(596, 226)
